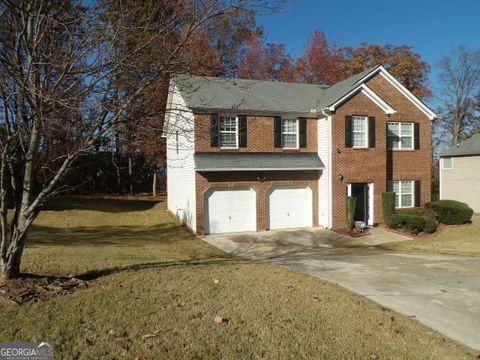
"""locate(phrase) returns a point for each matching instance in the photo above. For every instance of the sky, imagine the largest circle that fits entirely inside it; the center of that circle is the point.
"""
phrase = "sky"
(433, 28)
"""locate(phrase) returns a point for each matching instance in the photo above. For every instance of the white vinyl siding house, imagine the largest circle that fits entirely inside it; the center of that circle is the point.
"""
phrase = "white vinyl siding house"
(460, 173)
(460, 180)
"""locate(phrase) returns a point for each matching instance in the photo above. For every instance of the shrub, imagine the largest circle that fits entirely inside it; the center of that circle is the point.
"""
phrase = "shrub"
(351, 205)
(409, 222)
(388, 203)
(452, 212)
(430, 225)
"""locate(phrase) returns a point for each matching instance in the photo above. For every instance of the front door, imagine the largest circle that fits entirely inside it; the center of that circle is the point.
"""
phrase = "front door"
(360, 192)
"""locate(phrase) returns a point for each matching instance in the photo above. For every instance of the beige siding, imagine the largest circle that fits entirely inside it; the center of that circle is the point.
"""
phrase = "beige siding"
(462, 182)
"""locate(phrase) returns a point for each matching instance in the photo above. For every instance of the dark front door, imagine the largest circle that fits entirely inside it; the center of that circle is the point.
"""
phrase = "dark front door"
(360, 192)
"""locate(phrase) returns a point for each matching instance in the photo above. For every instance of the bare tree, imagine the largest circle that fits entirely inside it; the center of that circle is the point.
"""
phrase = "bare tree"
(460, 87)
(60, 71)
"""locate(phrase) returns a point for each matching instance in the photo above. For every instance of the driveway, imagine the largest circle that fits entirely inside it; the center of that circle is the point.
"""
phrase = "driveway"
(441, 291)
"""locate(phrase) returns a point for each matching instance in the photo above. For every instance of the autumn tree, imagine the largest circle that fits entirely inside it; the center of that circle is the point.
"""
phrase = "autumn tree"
(321, 62)
(401, 61)
(459, 96)
(67, 80)
(262, 61)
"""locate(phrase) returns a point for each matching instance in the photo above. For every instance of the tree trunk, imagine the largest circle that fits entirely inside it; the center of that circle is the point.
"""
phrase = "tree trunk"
(154, 183)
(119, 181)
(130, 174)
(10, 266)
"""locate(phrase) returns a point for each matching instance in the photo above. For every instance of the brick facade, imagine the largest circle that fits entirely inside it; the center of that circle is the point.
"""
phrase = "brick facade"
(378, 165)
(375, 165)
(261, 182)
(260, 135)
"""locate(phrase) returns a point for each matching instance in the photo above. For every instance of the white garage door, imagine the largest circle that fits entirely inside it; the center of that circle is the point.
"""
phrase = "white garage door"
(290, 207)
(230, 210)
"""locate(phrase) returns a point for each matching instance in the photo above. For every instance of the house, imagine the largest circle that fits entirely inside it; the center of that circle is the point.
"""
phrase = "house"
(247, 155)
(460, 173)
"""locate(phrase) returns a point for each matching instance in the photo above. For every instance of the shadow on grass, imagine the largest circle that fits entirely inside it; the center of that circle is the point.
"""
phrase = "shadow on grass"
(217, 261)
(103, 205)
(107, 235)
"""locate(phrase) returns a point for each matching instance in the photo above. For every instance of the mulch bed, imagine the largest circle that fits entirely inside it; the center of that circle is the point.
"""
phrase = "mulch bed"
(38, 288)
(354, 232)
(422, 235)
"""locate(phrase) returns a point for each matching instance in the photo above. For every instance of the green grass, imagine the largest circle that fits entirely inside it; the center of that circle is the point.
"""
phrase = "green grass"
(153, 277)
(456, 240)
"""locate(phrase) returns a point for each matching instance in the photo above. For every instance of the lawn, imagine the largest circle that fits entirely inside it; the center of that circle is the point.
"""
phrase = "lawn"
(457, 240)
(151, 277)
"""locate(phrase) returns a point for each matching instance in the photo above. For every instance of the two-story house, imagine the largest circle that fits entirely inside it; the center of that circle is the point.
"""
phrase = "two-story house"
(247, 155)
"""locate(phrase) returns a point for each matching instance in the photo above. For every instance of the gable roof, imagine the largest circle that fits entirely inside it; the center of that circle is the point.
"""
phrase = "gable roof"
(280, 97)
(337, 91)
(468, 147)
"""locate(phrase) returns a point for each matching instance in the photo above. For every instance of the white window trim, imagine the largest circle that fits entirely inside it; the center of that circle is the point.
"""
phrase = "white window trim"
(297, 137)
(451, 161)
(400, 206)
(366, 132)
(227, 132)
(400, 135)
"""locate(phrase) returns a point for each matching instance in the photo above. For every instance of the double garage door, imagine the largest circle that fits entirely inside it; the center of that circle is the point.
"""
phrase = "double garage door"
(235, 210)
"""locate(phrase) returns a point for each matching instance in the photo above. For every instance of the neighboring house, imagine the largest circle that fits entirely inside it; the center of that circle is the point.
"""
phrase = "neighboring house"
(247, 155)
(460, 173)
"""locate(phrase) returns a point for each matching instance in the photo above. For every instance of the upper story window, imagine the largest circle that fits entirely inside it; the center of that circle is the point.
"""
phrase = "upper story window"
(359, 131)
(289, 133)
(447, 163)
(400, 136)
(228, 131)
(403, 193)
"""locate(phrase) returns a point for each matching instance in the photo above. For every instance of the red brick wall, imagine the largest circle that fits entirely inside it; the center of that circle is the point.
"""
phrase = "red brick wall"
(375, 165)
(209, 180)
(260, 135)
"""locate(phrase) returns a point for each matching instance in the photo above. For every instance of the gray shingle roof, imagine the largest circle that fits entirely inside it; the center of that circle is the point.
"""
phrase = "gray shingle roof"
(270, 96)
(257, 161)
(337, 91)
(468, 147)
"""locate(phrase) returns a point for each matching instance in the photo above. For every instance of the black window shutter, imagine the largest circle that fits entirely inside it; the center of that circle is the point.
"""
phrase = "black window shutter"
(303, 132)
(278, 131)
(214, 130)
(242, 131)
(348, 131)
(416, 132)
(371, 132)
(417, 193)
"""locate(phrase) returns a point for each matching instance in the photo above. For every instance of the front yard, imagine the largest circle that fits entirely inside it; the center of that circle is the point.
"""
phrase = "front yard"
(455, 240)
(155, 290)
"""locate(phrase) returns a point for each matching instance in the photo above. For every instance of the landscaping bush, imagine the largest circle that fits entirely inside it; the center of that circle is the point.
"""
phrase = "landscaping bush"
(388, 203)
(431, 225)
(408, 222)
(351, 205)
(452, 212)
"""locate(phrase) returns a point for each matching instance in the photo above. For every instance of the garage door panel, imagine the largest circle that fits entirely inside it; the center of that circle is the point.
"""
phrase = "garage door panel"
(290, 207)
(231, 210)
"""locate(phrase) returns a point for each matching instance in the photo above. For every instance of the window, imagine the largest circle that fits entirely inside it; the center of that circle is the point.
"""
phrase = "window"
(359, 131)
(447, 163)
(403, 193)
(400, 136)
(289, 133)
(228, 131)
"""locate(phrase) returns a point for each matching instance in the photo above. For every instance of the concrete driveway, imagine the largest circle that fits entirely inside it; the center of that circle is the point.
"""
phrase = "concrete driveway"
(441, 291)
